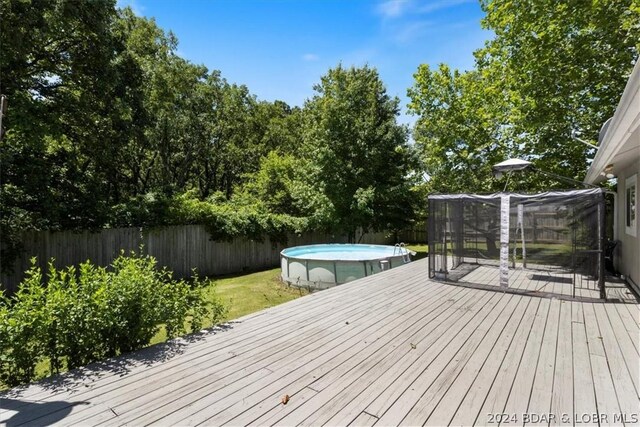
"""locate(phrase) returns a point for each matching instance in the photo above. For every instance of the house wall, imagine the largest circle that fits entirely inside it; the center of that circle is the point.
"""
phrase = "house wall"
(628, 251)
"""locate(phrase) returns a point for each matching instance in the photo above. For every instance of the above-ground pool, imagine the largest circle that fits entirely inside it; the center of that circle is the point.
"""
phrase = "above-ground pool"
(324, 266)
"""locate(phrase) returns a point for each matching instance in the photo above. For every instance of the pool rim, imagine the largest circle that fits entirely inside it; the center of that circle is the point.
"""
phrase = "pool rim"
(386, 257)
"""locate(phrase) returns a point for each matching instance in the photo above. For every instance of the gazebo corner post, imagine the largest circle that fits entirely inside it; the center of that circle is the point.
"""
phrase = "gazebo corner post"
(601, 246)
(505, 206)
(445, 259)
(430, 238)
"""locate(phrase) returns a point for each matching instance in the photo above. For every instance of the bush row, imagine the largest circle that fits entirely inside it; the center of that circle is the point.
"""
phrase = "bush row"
(87, 314)
(223, 219)
(226, 221)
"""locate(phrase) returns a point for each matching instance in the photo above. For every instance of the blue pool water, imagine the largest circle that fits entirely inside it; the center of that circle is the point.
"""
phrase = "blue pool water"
(340, 252)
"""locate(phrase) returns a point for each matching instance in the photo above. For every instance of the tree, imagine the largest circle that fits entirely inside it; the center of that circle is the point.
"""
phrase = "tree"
(284, 128)
(57, 72)
(272, 184)
(457, 132)
(360, 153)
(551, 69)
(568, 62)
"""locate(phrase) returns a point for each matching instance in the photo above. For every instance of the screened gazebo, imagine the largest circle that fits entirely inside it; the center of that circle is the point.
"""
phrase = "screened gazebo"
(557, 236)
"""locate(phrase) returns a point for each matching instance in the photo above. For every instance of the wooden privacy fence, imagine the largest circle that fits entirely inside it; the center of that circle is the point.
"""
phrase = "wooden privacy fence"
(415, 234)
(180, 248)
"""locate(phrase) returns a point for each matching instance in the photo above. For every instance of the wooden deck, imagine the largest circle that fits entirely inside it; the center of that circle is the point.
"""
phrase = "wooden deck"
(549, 282)
(394, 348)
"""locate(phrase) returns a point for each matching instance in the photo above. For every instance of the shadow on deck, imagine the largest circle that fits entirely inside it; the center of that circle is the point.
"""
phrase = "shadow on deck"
(542, 281)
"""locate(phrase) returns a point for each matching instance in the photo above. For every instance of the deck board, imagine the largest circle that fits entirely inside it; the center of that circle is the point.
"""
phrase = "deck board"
(496, 342)
(554, 282)
(283, 355)
(346, 389)
(511, 395)
(542, 389)
(603, 382)
(385, 374)
(584, 388)
(494, 372)
(393, 348)
(122, 388)
(623, 383)
(563, 391)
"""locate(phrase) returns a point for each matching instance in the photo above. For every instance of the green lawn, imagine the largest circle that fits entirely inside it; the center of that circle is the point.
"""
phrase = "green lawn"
(247, 293)
(421, 250)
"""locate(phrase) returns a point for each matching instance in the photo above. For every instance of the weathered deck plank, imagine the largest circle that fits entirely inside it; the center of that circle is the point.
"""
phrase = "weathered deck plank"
(623, 382)
(394, 348)
(341, 405)
(495, 373)
(603, 382)
(554, 282)
(284, 352)
(542, 391)
(274, 320)
(562, 392)
(584, 388)
(492, 343)
(424, 387)
(512, 391)
(341, 387)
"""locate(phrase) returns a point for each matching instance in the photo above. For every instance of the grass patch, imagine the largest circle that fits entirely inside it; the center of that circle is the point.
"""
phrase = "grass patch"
(244, 294)
(248, 293)
(421, 250)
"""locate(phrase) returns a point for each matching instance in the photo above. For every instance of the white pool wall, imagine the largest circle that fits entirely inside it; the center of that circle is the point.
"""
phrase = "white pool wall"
(304, 269)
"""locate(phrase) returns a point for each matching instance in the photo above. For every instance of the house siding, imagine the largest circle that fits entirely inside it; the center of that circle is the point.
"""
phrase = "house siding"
(628, 252)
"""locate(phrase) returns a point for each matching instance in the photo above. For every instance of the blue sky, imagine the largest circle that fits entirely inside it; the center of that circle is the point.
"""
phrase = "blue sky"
(280, 48)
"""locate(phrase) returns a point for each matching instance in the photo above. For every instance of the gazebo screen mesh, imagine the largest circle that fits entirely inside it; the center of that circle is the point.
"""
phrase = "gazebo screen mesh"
(549, 231)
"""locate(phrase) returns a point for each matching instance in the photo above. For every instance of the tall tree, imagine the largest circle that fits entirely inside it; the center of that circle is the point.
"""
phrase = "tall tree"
(568, 62)
(360, 152)
(56, 69)
(553, 68)
(458, 133)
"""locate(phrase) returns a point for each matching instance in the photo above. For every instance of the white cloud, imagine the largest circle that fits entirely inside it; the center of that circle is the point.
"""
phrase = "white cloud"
(409, 32)
(310, 57)
(393, 8)
(398, 8)
(435, 5)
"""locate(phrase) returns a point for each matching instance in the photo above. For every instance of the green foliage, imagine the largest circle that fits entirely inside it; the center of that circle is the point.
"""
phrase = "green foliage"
(225, 221)
(85, 315)
(22, 330)
(568, 62)
(361, 154)
(107, 126)
(284, 185)
(455, 133)
(57, 73)
(273, 184)
(552, 68)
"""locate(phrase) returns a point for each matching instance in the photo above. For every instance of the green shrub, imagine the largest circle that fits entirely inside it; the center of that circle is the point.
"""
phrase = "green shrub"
(243, 216)
(225, 221)
(84, 315)
(22, 343)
